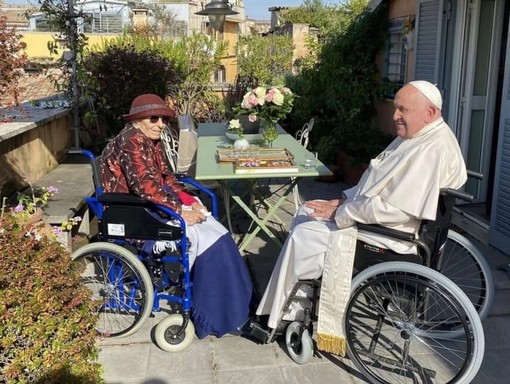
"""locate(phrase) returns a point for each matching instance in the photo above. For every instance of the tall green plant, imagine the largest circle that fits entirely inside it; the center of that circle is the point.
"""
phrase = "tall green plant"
(266, 59)
(64, 17)
(196, 57)
(119, 74)
(342, 88)
(192, 60)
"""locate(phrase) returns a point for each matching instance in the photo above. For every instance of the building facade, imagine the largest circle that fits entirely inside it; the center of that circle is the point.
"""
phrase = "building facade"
(462, 46)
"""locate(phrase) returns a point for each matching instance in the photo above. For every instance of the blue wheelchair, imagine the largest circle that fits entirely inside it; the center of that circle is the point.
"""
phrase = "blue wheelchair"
(127, 281)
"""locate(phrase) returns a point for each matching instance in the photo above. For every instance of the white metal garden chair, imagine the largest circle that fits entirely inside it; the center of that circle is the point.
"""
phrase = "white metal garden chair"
(303, 136)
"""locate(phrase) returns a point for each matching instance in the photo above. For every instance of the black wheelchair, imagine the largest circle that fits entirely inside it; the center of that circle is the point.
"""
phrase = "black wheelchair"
(406, 321)
(127, 281)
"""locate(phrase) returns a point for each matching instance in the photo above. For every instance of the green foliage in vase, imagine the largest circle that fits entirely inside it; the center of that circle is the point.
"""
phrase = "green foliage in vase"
(269, 133)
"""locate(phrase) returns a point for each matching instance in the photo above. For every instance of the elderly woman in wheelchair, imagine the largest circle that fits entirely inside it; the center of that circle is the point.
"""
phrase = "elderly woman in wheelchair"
(400, 320)
(159, 242)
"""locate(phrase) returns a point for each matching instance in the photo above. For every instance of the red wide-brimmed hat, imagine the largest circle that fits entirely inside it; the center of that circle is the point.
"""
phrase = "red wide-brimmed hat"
(148, 105)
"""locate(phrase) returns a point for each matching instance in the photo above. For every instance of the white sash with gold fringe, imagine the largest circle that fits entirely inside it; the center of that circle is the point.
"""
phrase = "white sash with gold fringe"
(335, 290)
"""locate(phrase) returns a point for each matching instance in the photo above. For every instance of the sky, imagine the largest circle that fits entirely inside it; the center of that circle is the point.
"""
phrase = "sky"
(258, 9)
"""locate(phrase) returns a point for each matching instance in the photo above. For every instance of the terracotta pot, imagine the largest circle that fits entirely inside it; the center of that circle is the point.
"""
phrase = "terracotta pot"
(35, 217)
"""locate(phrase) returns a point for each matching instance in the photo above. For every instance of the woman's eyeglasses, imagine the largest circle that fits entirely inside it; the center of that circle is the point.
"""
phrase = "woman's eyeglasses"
(155, 119)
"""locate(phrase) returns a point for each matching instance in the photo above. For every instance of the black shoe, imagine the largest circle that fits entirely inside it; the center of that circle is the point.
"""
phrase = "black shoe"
(253, 329)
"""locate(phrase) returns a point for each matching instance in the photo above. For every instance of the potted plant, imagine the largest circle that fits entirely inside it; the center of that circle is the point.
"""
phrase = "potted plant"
(235, 127)
(47, 316)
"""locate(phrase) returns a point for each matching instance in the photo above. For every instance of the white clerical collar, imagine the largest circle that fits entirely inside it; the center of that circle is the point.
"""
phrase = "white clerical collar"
(429, 127)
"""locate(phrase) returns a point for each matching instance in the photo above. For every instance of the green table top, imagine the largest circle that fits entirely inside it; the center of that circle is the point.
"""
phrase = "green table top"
(211, 137)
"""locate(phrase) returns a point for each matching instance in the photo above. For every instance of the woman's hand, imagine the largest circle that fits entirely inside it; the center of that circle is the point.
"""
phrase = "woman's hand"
(324, 209)
(194, 215)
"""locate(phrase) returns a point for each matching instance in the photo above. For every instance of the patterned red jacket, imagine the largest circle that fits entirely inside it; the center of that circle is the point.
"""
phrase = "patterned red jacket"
(134, 163)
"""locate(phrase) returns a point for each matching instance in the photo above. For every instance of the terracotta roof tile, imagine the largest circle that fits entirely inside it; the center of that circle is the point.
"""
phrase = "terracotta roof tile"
(32, 86)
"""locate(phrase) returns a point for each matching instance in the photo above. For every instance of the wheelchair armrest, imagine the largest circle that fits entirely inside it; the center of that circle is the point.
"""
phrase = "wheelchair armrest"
(380, 230)
(183, 178)
(121, 198)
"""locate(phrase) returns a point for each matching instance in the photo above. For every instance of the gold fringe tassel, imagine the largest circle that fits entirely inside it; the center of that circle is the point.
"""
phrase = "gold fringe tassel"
(332, 344)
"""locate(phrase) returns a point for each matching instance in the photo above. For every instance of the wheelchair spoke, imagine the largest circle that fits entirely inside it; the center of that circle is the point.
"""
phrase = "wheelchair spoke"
(412, 343)
(465, 265)
(120, 285)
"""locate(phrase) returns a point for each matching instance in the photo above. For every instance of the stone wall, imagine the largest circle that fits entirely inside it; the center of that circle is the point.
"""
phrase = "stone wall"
(31, 145)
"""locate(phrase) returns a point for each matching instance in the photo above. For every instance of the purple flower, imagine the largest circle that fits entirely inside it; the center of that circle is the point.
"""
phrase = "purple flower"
(57, 230)
(18, 208)
(52, 189)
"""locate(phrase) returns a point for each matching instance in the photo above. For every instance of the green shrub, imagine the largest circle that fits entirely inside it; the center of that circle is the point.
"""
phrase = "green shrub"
(119, 74)
(47, 318)
(341, 89)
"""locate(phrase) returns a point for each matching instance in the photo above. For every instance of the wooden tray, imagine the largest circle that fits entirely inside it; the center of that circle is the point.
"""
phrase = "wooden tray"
(265, 165)
(231, 156)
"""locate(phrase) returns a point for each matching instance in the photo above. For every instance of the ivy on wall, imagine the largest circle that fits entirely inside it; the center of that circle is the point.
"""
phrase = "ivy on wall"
(341, 89)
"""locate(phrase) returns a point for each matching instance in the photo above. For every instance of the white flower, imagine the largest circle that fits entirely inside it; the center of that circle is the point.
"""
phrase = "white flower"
(234, 124)
(260, 92)
(278, 98)
(286, 91)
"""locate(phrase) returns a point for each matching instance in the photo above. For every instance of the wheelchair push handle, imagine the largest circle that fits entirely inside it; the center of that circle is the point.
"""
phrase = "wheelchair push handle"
(93, 162)
(475, 175)
(459, 194)
(463, 195)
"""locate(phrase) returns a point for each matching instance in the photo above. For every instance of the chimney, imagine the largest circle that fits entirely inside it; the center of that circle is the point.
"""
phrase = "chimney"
(140, 17)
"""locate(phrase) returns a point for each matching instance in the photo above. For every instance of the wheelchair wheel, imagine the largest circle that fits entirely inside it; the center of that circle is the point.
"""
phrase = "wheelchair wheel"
(465, 265)
(394, 321)
(300, 348)
(120, 284)
(166, 330)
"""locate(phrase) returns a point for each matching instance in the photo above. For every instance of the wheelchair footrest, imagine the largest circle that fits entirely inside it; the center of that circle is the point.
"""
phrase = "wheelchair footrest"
(259, 333)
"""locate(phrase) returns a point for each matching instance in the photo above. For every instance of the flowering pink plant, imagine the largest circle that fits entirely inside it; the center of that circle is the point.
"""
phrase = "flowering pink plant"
(269, 103)
(28, 211)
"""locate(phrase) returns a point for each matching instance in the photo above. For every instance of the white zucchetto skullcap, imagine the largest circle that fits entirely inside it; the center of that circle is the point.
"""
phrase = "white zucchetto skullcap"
(430, 91)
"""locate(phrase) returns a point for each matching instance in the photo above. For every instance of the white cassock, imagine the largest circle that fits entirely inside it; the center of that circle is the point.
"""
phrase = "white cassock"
(399, 189)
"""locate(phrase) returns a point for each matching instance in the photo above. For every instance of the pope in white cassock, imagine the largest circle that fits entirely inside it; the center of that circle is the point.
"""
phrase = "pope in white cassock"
(399, 189)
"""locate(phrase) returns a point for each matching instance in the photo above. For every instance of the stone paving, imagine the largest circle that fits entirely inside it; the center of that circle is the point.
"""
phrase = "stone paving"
(232, 359)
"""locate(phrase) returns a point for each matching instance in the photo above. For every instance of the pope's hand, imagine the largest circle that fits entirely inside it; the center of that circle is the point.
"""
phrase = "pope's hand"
(323, 209)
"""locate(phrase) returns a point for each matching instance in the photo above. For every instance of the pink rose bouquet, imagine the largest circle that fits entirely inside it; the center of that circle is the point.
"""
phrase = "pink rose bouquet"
(269, 104)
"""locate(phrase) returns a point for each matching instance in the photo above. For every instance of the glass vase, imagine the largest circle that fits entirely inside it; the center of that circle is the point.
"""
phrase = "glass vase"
(270, 133)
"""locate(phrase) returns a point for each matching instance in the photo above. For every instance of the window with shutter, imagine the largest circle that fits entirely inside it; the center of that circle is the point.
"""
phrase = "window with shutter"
(429, 15)
(499, 235)
(395, 67)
